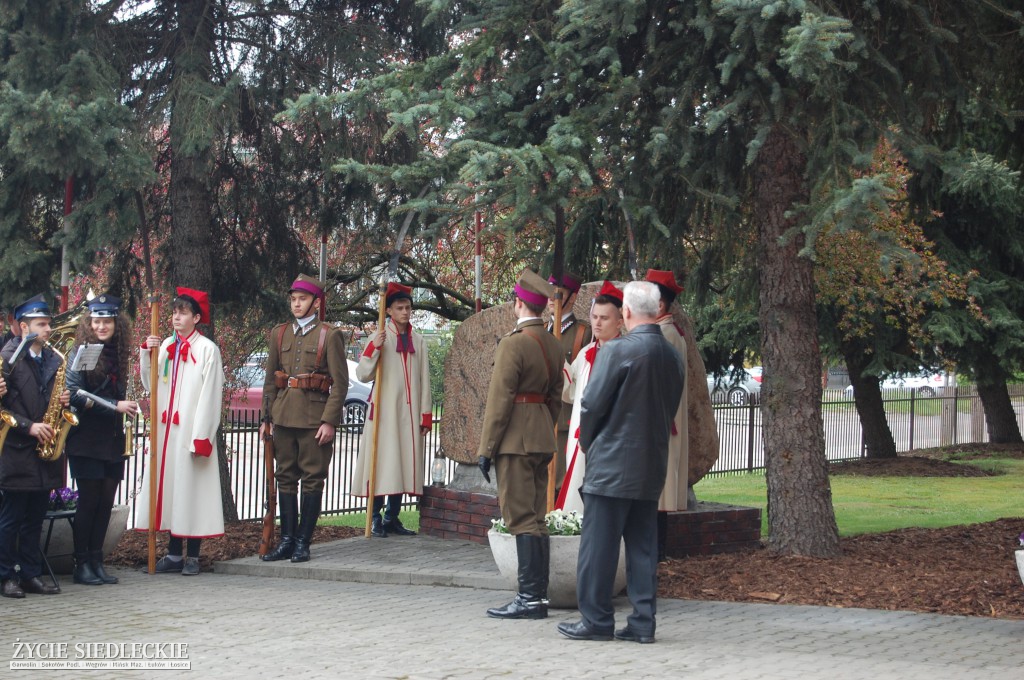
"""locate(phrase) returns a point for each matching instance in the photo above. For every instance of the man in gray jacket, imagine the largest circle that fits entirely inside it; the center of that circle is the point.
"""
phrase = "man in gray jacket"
(635, 388)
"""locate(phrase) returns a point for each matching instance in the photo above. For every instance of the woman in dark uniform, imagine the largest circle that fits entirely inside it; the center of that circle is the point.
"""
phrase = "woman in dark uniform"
(96, 447)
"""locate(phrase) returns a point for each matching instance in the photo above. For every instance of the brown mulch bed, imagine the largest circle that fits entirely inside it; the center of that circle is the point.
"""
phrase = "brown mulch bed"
(905, 466)
(240, 539)
(967, 570)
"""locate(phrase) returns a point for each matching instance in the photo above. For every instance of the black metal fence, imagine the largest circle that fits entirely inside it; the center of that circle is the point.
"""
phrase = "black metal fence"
(916, 422)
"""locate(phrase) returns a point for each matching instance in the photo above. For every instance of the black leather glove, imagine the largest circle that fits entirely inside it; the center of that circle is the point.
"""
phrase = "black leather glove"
(485, 467)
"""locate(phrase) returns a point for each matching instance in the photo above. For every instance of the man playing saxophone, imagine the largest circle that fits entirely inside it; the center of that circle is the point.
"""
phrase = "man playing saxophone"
(25, 479)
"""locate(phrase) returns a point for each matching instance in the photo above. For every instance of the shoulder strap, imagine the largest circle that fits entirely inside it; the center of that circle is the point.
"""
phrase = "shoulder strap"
(547, 363)
(320, 346)
(578, 342)
(280, 340)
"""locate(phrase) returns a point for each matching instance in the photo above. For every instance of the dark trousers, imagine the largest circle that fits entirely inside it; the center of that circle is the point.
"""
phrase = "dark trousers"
(608, 520)
(394, 506)
(300, 459)
(92, 515)
(21, 523)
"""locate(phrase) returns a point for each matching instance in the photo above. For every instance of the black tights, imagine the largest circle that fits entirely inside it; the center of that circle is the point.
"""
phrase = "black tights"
(92, 515)
(174, 546)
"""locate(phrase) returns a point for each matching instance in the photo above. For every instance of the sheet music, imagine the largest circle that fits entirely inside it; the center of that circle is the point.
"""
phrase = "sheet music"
(86, 357)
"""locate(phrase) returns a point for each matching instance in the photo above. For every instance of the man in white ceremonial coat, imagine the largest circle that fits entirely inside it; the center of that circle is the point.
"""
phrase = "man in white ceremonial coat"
(402, 403)
(675, 496)
(189, 393)
(606, 324)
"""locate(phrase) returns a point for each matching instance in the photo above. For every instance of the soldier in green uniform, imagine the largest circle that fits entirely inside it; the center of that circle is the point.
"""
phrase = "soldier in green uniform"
(523, 400)
(303, 400)
(575, 333)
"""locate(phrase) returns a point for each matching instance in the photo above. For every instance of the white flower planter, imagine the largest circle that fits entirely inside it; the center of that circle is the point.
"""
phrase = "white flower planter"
(62, 545)
(1019, 554)
(562, 566)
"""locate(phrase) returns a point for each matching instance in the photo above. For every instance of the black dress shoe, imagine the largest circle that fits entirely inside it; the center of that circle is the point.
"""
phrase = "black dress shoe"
(520, 608)
(377, 528)
(36, 585)
(10, 588)
(581, 631)
(629, 635)
(395, 526)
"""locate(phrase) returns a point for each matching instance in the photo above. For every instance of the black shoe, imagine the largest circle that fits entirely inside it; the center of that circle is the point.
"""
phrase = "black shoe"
(301, 553)
(521, 607)
(284, 550)
(377, 527)
(96, 562)
(191, 567)
(36, 585)
(581, 631)
(165, 565)
(629, 635)
(84, 573)
(394, 526)
(11, 588)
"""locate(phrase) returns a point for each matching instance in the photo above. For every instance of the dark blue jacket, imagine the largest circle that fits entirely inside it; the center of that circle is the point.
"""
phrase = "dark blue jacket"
(27, 398)
(626, 415)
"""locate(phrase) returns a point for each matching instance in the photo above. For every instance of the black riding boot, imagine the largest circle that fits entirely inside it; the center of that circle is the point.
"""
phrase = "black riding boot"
(307, 523)
(289, 506)
(527, 604)
(84, 573)
(543, 544)
(96, 562)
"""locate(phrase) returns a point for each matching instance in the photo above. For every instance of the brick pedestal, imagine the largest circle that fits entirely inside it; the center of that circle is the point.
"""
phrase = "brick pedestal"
(711, 528)
(708, 528)
(449, 513)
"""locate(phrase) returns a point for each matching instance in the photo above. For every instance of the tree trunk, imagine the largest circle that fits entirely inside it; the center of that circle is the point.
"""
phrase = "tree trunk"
(191, 192)
(995, 399)
(867, 396)
(801, 520)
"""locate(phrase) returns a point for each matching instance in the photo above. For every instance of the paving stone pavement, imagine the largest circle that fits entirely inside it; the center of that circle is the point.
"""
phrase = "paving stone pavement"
(270, 626)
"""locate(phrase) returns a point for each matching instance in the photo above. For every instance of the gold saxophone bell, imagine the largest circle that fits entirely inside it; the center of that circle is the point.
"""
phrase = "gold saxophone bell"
(7, 419)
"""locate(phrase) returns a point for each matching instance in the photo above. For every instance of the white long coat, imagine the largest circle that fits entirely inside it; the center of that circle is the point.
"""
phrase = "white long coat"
(674, 495)
(402, 403)
(188, 409)
(576, 378)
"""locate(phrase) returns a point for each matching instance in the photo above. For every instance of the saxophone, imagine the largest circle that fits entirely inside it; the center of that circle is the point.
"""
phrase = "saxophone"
(57, 417)
(7, 420)
(62, 337)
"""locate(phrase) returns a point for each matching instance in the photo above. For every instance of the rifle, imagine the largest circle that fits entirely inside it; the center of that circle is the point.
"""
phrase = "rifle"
(267, 539)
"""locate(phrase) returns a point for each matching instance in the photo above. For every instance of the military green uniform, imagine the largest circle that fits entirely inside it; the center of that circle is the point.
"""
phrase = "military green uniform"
(297, 412)
(523, 401)
(575, 334)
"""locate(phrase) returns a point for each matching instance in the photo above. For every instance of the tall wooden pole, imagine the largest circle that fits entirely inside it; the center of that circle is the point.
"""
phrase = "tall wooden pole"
(376, 410)
(154, 376)
(154, 381)
(557, 269)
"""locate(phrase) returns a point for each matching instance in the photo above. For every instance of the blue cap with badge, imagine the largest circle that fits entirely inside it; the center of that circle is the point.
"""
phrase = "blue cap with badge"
(33, 308)
(104, 306)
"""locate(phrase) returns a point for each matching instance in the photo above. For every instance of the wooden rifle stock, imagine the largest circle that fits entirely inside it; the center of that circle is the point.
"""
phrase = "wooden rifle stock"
(267, 539)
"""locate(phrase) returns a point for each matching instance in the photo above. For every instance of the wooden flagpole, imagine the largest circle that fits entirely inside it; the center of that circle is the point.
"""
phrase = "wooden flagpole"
(375, 405)
(154, 377)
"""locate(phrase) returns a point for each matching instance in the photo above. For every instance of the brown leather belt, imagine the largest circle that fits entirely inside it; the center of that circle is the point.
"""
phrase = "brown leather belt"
(306, 381)
(530, 398)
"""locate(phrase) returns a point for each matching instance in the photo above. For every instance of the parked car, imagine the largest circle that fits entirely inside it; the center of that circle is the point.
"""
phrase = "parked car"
(736, 389)
(250, 395)
(923, 383)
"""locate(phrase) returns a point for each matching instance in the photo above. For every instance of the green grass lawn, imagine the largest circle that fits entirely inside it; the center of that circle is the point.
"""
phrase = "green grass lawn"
(875, 504)
(410, 520)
